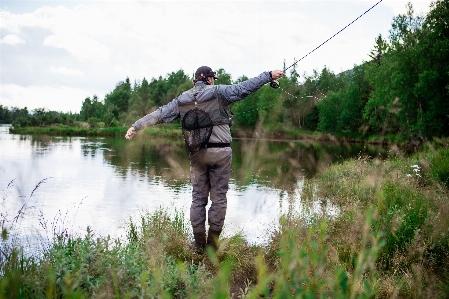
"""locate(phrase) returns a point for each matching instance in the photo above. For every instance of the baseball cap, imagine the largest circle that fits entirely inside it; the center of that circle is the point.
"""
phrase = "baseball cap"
(205, 71)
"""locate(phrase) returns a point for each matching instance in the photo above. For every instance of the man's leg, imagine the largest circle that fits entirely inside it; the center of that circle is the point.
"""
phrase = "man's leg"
(199, 178)
(219, 174)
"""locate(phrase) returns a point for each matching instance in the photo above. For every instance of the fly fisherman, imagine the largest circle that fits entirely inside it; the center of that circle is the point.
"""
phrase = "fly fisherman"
(206, 117)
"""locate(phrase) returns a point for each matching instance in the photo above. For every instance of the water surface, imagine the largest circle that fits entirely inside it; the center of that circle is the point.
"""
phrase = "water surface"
(102, 182)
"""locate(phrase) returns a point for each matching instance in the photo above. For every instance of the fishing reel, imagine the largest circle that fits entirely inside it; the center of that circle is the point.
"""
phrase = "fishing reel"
(275, 84)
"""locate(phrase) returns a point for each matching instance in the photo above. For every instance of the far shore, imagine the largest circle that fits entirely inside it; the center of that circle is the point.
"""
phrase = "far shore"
(174, 130)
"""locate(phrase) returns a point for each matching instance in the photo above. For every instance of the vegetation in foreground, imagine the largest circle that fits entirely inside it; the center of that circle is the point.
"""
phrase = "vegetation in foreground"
(389, 240)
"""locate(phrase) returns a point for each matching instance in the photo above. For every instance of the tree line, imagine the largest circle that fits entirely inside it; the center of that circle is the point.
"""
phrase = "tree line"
(403, 90)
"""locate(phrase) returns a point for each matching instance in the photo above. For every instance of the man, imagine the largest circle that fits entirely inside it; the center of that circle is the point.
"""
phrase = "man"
(206, 117)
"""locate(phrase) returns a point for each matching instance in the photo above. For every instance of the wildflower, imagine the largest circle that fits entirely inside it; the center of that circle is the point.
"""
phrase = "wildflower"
(409, 175)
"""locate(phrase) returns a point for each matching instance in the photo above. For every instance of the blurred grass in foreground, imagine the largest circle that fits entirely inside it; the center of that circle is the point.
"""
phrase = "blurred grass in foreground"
(390, 240)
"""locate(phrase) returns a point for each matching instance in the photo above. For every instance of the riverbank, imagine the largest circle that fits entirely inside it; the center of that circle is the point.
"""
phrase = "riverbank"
(60, 130)
(174, 130)
(389, 240)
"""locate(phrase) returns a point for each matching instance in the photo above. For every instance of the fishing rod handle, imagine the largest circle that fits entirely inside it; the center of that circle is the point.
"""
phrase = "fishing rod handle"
(275, 84)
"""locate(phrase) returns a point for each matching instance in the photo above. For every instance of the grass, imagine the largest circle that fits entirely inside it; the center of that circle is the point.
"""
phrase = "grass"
(390, 240)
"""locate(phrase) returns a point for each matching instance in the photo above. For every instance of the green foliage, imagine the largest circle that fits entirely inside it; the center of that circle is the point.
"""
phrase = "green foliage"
(439, 167)
(304, 268)
(340, 110)
(404, 211)
(223, 77)
(245, 112)
(118, 99)
(176, 83)
(39, 117)
(92, 108)
(269, 108)
(410, 79)
(329, 112)
(408, 203)
(432, 86)
(5, 115)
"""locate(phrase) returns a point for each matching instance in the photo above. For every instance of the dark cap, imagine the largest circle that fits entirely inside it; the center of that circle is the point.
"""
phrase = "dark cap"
(205, 71)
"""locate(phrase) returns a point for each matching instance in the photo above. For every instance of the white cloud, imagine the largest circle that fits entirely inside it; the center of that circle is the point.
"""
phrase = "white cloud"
(82, 47)
(59, 98)
(12, 39)
(79, 31)
(66, 71)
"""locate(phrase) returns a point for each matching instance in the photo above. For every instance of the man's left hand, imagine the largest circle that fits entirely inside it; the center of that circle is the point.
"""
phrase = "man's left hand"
(130, 134)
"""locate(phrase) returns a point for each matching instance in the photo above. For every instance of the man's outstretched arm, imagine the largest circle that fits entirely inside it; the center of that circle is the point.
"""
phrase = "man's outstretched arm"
(163, 114)
(237, 92)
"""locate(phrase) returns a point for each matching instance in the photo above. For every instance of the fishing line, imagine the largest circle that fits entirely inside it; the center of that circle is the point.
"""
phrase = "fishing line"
(275, 83)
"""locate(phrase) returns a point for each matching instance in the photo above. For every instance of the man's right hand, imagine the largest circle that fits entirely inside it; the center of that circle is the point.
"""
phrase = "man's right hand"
(276, 74)
(130, 134)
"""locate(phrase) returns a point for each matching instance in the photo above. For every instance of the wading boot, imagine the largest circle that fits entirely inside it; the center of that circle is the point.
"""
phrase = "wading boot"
(212, 239)
(199, 243)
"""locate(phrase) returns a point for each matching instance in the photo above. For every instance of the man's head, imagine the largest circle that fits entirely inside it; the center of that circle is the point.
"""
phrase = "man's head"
(205, 74)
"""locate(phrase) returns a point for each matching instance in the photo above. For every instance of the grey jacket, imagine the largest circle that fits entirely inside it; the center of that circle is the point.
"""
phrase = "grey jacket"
(229, 93)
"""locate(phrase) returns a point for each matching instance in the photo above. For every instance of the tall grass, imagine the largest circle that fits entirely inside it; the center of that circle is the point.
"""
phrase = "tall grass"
(410, 199)
(390, 240)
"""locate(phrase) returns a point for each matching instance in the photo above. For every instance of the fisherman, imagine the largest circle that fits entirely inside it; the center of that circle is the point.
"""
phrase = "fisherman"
(206, 119)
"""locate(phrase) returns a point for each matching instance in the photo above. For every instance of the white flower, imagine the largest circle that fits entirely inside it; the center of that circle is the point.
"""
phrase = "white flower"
(409, 175)
(415, 166)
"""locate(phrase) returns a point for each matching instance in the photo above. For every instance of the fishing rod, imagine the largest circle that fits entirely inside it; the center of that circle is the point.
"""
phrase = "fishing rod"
(275, 83)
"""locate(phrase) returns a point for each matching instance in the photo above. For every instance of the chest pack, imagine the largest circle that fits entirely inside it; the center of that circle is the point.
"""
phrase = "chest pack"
(204, 109)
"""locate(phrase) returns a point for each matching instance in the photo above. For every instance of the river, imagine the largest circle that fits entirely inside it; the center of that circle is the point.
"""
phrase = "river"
(59, 184)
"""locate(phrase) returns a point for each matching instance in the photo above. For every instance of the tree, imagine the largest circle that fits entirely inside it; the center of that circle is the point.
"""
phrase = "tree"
(5, 115)
(432, 86)
(392, 105)
(176, 83)
(379, 49)
(86, 109)
(354, 97)
(223, 77)
(118, 99)
(329, 111)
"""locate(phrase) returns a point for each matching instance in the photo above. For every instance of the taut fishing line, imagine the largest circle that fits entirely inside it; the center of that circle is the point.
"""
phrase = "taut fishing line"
(275, 83)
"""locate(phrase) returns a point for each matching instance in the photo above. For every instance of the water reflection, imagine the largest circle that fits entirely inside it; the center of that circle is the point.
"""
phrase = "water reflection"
(116, 179)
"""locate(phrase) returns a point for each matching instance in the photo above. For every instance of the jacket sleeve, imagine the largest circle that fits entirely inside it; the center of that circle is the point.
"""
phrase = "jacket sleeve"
(237, 92)
(163, 114)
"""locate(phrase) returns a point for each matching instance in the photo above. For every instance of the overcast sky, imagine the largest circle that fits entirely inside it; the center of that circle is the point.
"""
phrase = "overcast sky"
(54, 54)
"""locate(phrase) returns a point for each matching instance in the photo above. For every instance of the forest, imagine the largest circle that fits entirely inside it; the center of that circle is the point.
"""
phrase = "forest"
(403, 90)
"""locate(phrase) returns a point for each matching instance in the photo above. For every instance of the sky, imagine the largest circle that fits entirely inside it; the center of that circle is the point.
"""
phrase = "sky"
(54, 54)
